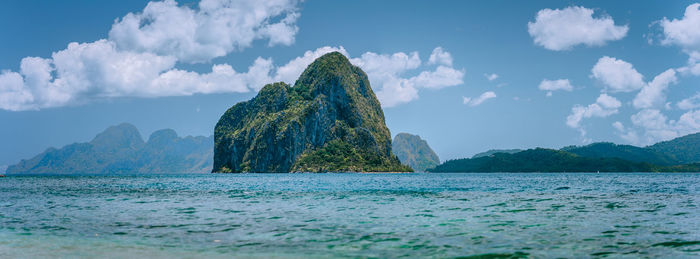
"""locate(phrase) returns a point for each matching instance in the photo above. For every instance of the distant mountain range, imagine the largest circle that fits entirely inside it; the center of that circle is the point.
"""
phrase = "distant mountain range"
(414, 152)
(120, 149)
(678, 155)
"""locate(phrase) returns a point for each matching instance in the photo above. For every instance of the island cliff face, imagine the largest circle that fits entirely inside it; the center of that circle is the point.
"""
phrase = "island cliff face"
(329, 121)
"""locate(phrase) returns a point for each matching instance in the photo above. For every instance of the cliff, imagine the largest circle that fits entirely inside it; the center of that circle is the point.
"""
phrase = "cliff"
(330, 120)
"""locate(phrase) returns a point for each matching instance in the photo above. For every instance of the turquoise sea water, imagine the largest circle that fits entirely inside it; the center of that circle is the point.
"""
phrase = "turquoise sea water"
(351, 215)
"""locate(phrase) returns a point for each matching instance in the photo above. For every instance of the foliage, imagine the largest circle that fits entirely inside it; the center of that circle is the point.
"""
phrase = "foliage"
(682, 150)
(550, 160)
(541, 160)
(332, 100)
(626, 152)
(339, 156)
(494, 151)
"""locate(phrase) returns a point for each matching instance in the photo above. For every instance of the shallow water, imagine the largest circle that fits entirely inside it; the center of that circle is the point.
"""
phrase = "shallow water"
(351, 215)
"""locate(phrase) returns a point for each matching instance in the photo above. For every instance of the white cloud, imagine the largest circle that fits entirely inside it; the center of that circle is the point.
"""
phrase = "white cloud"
(617, 75)
(215, 29)
(653, 126)
(140, 55)
(479, 100)
(562, 29)
(625, 133)
(652, 95)
(140, 58)
(693, 66)
(491, 77)
(440, 57)
(690, 103)
(97, 70)
(555, 85)
(683, 32)
(386, 74)
(604, 106)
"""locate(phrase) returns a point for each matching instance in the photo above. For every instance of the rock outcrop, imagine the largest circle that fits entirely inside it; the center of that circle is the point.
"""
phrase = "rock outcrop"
(414, 152)
(329, 121)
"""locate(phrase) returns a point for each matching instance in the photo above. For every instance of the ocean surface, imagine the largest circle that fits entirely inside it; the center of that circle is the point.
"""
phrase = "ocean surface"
(351, 216)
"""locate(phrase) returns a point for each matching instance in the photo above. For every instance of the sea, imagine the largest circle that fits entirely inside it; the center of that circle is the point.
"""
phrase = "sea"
(349, 215)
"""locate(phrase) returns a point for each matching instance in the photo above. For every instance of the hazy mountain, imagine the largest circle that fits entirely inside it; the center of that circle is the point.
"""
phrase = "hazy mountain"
(329, 121)
(414, 152)
(120, 149)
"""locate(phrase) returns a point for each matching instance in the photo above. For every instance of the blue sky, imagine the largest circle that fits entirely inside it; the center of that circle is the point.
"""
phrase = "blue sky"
(464, 75)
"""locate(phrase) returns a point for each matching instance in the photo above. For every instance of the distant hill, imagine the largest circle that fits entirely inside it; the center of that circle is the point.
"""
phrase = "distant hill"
(683, 150)
(120, 149)
(414, 152)
(541, 160)
(677, 155)
(626, 152)
(494, 151)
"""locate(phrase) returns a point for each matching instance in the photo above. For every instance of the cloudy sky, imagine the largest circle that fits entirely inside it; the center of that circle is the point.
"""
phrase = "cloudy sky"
(468, 76)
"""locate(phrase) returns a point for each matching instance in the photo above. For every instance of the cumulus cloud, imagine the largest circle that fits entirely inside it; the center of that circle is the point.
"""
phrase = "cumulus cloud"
(617, 75)
(387, 74)
(215, 29)
(652, 126)
(604, 106)
(693, 66)
(620, 76)
(478, 100)
(555, 85)
(440, 57)
(625, 133)
(491, 77)
(562, 29)
(141, 55)
(690, 103)
(653, 93)
(98, 70)
(684, 33)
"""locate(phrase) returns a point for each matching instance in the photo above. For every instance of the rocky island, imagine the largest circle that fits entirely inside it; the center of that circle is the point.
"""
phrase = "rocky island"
(414, 152)
(329, 121)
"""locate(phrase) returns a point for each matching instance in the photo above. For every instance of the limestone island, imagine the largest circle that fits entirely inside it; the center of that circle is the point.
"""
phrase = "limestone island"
(329, 121)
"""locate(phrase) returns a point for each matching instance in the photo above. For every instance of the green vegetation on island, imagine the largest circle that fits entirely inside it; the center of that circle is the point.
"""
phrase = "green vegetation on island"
(414, 152)
(494, 151)
(677, 155)
(682, 150)
(626, 152)
(329, 121)
(121, 150)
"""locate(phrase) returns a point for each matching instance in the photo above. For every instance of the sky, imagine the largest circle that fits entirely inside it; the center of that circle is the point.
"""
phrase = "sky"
(467, 76)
